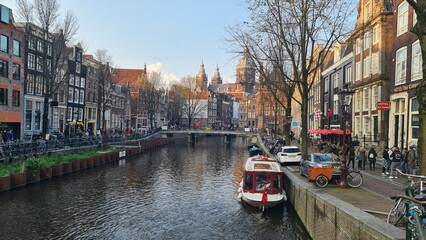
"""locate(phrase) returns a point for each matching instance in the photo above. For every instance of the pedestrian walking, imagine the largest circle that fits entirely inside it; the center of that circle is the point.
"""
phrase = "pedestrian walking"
(362, 157)
(411, 157)
(351, 157)
(10, 136)
(372, 155)
(396, 158)
(386, 161)
(404, 165)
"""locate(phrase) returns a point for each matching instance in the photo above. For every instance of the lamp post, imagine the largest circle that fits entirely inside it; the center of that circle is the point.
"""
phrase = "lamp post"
(345, 99)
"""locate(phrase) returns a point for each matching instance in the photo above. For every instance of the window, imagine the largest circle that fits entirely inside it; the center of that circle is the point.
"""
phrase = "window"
(49, 65)
(415, 120)
(31, 61)
(61, 95)
(77, 67)
(336, 80)
(37, 115)
(76, 95)
(16, 71)
(81, 96)
(77, 81)
(375, 34)
(348, 74)
(49, 49)
(366, 98)
(28, 115)
(16, 96)
(30, 84)
(366, 124)
(3, 96)
(80, 114)
(4, 14)
(82, 82)
(38, 85)
(366, 40)
(358, 130)
(416, 62)
(401, 66)
(4, 69)
(70, 94)
(375, 97)
(72, 77)
(40, 46)
(367, 12)
(4, 43)
(375, 63)
(69, 114)
(335, 105)
(40, 64)
(358, 101)
(402, 23)
(414, 18)
(367, 67)
(31, 43)
(16, 48)
(358, 71)
(326, 85)
(358, 46)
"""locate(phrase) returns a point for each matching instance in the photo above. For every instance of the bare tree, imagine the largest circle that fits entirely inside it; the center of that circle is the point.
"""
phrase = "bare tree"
(194, 104)
(176, 103)
(149, 95)
(45, 13)
(419, 29)
(287, 34)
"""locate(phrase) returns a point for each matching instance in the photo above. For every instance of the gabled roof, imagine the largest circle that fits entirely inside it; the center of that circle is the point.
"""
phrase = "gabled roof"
(133, 77)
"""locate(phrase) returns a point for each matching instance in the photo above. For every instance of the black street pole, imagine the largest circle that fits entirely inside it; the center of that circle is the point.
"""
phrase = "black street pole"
(343, 167)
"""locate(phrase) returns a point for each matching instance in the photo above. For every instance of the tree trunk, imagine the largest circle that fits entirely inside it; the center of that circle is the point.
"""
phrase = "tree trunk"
(45, 117)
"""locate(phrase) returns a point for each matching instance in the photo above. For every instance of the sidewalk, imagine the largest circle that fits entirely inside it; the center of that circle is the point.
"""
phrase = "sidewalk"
(374, 194)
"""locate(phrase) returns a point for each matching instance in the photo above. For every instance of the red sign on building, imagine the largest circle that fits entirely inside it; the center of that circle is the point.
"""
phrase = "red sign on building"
(383, 105)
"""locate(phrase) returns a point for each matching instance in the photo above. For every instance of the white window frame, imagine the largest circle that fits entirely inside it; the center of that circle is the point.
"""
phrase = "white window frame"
(366, 67)
(358, 71)
(416, 62)
(402, 21)
(401, 66)
(375, 63)
(366, 40)
(326, 85)
(348, 74)
(358, 100)
(366, 124)
(31, 61)
(375, 34)
(366, 93)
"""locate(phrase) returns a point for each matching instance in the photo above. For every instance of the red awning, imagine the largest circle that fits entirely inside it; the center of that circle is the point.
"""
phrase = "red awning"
(339, 132)
(324, 131)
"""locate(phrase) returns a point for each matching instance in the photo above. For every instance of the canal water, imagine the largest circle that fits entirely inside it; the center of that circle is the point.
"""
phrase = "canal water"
(181, 191)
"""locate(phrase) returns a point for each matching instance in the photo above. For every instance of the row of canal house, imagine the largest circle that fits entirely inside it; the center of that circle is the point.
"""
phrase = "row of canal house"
(381, 61)
(27, 54)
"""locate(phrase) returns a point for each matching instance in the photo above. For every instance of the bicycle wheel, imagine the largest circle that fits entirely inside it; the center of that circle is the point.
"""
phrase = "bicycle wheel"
(321, 181)
(354, 179)
(396, 213)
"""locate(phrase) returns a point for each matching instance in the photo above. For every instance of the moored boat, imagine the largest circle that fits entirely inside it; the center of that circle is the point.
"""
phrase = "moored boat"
(262, 184)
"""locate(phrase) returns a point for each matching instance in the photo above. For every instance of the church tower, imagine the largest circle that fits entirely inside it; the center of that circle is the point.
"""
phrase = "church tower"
(217, 79)
(201, 78)
(245, 74)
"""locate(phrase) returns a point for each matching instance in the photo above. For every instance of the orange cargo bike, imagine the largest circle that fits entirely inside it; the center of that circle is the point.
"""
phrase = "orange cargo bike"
(322, 175)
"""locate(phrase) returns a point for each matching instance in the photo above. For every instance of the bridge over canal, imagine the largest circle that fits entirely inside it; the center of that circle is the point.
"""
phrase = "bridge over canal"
(193, 133)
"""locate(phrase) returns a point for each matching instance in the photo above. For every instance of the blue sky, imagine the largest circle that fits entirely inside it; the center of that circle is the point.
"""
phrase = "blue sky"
(168, 35)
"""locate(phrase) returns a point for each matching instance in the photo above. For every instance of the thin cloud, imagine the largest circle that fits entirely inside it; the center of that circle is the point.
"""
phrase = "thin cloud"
(168, 77)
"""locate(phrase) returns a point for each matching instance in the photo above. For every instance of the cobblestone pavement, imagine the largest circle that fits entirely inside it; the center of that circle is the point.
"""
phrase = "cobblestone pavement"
(374, 194)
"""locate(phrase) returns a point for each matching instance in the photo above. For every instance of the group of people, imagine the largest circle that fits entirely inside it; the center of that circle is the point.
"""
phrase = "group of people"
(361, 156)
(6, 136)
(393, 158)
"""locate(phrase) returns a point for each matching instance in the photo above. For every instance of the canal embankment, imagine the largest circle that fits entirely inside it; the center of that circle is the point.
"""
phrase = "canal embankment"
(70, 160)
(328, 217)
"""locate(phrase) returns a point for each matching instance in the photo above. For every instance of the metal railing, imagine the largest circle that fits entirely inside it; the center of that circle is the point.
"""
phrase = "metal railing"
(20, 149)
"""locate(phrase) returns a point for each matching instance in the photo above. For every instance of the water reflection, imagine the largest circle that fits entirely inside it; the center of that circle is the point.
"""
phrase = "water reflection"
(181, 191)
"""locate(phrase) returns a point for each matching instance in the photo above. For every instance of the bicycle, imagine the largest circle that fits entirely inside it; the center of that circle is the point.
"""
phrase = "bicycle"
(414, 217)
(417, 182)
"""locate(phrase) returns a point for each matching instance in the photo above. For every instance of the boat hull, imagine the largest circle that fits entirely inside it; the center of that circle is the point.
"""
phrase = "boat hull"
(255, 199)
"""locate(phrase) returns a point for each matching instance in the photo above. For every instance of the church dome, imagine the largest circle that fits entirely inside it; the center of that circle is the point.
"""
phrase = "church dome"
(216, 77)
(245, 62)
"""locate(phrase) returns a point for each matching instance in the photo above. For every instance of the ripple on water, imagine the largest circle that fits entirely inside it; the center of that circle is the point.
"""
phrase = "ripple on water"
(180, 191)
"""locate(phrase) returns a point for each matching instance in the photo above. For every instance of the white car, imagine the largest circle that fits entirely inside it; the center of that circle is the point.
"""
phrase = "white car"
(289, 154)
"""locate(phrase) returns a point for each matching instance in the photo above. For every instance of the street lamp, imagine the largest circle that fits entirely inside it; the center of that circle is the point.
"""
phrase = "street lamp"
(345, 100)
